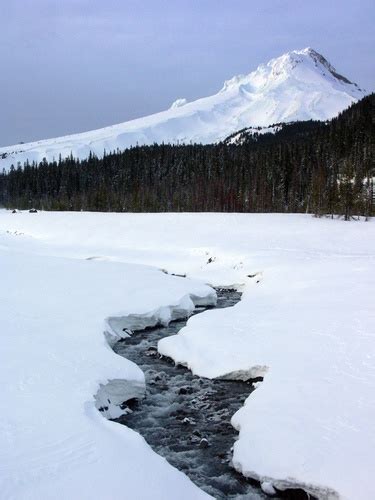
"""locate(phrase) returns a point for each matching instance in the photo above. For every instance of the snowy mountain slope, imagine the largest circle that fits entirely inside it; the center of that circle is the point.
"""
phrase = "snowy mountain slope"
(298, 85)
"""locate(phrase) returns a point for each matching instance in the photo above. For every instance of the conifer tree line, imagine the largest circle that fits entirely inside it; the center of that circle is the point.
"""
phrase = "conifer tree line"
(316, 167)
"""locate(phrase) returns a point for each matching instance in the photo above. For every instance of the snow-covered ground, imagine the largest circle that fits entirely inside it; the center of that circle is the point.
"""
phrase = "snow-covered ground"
(298, 85)
(308, 326)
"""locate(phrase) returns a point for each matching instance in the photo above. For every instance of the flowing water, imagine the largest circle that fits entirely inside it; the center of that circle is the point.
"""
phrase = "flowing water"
(185, 418)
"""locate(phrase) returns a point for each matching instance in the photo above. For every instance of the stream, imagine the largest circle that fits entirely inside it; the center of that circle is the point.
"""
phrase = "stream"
(186, 418)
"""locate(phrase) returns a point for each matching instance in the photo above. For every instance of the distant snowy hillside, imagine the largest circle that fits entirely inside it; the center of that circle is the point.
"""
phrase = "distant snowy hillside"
(299, 85)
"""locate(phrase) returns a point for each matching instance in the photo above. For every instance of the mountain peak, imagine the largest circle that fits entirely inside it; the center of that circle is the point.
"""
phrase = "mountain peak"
(298, 85)
(304, 65)
(319, 59)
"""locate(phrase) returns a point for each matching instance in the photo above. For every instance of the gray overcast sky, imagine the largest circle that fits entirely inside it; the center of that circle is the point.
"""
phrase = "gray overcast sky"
(73, 65)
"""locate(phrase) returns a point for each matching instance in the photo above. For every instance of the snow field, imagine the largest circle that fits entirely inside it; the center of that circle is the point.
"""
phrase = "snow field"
(54, 358)
(307, 326)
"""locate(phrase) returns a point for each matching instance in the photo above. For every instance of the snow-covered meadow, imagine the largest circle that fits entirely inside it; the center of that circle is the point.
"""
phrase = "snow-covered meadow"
(306, 322)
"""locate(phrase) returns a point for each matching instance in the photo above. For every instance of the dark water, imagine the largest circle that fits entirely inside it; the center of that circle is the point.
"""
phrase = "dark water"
(185, 418)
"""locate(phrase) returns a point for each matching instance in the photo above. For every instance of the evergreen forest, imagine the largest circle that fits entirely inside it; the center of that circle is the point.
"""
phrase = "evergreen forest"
(314, 167)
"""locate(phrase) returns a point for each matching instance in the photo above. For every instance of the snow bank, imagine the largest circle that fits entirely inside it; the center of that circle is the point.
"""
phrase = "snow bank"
(306, 322)
(54, 358)
(311, 334)
(120, 327)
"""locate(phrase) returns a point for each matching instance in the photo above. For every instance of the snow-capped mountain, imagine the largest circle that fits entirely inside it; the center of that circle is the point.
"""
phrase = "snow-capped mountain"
(299, 85)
